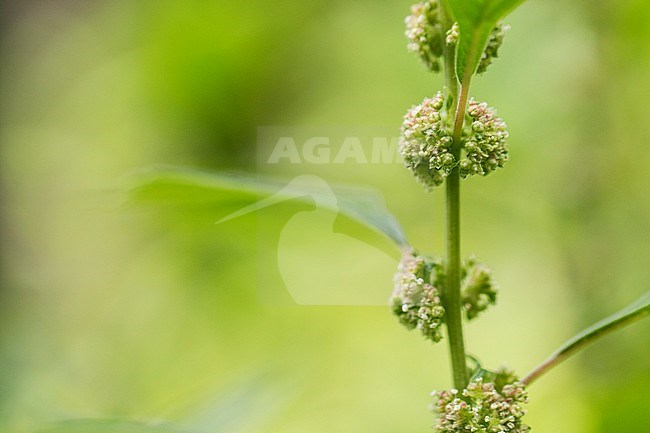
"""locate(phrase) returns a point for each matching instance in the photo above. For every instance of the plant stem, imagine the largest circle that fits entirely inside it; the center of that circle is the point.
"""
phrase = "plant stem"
(452, 292)
(451, 80)
(454, 318)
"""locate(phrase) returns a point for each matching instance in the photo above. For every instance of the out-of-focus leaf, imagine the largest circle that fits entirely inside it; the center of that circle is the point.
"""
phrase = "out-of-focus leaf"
(476, 19)
(109, 426)
(231, 195)
(249, 405)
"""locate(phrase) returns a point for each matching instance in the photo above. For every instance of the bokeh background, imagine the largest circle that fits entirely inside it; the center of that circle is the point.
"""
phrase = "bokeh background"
(154, 314)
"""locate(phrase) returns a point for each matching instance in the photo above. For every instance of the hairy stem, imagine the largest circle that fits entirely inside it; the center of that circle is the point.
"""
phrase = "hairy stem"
(452, 292)
(454, 318)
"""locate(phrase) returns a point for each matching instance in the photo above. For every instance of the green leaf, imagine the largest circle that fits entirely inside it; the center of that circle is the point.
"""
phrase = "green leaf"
(476, 19)
(487, 375)
(627, 315)
(109, 426)
(232, 195)
(633, 312)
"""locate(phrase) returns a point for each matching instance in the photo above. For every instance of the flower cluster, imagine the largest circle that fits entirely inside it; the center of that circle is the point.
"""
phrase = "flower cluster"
(425, 144)
(453, 34)
(484, 140)
(482, 407)
(492, 49)
(478, 291)
(416, 300)
(425, 34)
(426, 141)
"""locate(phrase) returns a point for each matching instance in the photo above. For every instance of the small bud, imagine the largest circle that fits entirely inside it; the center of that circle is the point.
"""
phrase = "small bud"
(445, 141)
(452, 35)
(448, 160)
(471, 147)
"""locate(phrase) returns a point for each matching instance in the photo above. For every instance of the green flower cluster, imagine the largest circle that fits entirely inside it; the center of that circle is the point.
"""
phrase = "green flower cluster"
(425, 34)
(418, 296)
(453, 34)
(484, 140)
(492, 49)
(426, 141)
(483, 407)
(478, 291)
(427, 37)
(425, 144)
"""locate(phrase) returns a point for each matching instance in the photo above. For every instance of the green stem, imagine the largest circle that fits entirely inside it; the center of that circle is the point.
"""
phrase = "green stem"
(451, 80)
(452, 292)
(453, 312)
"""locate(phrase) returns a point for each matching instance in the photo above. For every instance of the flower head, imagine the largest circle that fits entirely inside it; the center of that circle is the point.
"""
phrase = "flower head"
(484, 140)
(478, 290)
(482, 407)
(425, 144)
(425, 34)
(426, 141)
(453, 34)
(492, 49)
(416, 301)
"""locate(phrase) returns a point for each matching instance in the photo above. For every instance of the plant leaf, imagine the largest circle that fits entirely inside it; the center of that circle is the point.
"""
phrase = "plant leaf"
(633, 312)
(109, 426)
(627, 315)
(233, 195)
(476, 19)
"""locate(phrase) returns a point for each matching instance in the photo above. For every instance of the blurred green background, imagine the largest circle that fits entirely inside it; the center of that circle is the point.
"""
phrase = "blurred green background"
(154, 314)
